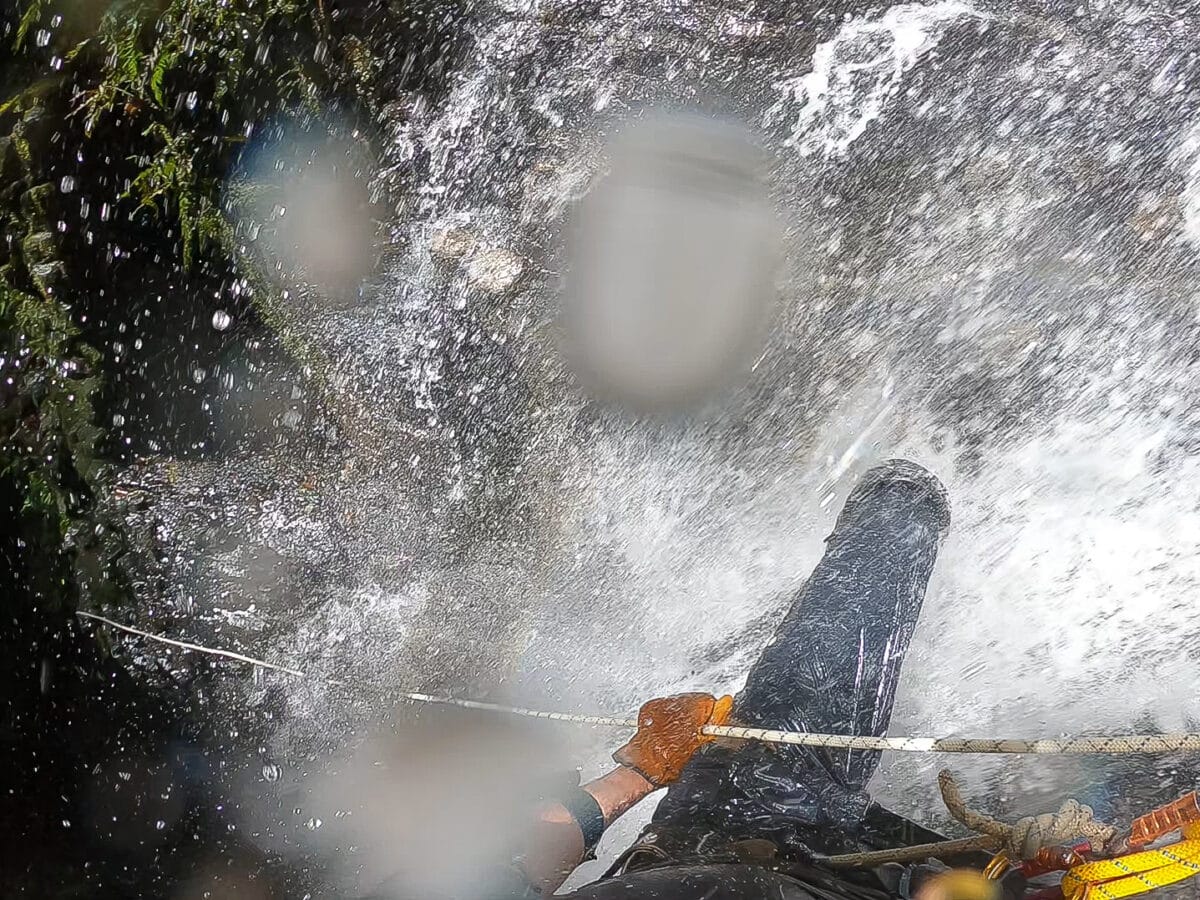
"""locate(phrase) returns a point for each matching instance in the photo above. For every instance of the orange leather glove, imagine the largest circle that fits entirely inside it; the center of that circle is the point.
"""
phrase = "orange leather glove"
(669, 733)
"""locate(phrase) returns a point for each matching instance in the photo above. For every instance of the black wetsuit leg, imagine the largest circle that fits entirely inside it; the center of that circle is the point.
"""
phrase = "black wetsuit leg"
(833, 666)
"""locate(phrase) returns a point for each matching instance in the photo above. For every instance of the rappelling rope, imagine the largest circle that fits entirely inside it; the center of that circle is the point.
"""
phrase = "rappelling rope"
(1027, 835)
(1018, 841)
(1123, 744)
(411, 696)
(869, 859)
(1127, 743)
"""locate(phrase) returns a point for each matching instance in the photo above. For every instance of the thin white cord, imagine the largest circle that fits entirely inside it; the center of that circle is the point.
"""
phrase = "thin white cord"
(1123, 744)
(211, 651)
(404, 695)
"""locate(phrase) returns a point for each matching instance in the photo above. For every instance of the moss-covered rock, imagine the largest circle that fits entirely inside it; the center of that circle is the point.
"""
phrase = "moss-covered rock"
(36, 204)
(8, 160)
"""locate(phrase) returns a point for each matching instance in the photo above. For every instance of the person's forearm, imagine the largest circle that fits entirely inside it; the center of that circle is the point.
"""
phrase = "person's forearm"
(617, 791)
(669, 732)
(556, 846)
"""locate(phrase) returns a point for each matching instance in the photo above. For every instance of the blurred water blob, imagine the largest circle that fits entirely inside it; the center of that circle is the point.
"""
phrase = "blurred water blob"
(673, 262)
(300, 199)
(428, 802)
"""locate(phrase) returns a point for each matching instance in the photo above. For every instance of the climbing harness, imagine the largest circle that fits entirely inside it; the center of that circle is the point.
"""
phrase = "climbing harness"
(1119, 744)
(1135, 873)
(1096, 861)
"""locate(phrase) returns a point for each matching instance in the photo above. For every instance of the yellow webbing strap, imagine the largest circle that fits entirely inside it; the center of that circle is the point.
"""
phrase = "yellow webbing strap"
(1135, 873)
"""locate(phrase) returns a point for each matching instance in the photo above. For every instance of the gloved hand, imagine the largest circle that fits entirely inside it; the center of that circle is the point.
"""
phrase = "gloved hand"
(669, 733)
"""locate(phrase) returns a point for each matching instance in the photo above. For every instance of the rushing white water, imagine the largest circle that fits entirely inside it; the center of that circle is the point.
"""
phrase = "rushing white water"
(992, 223)
(857, 72)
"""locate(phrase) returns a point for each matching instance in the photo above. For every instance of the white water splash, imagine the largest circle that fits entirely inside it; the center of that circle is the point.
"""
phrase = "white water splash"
(857, 72)
(1063, 602)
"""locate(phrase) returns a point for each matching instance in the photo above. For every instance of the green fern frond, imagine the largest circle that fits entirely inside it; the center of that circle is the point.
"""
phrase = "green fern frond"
(94, 103)
(14, 102)
(163, 63)
(31, 16)
(78, 49)
(129, 56)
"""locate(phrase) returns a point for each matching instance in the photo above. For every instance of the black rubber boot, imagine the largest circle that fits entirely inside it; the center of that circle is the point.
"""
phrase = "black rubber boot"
(832, 667)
